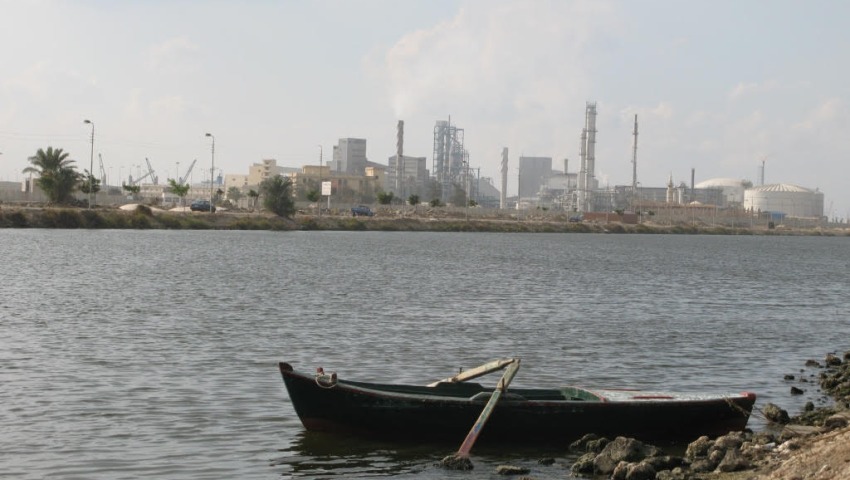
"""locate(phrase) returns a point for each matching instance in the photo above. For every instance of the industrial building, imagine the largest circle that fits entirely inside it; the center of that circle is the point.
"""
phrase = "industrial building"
(450, 161)
(414, 176)
(534, 172)
(452, 180)
(349, 156)
(732, 189)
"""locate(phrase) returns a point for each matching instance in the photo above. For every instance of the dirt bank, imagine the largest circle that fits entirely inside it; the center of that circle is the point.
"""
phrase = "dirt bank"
(425, 220)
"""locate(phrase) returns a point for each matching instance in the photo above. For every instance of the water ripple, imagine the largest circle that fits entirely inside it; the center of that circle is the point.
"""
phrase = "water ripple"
(131, 354)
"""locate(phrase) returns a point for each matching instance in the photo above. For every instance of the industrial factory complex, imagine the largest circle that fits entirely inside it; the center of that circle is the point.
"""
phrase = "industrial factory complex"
(450, 178)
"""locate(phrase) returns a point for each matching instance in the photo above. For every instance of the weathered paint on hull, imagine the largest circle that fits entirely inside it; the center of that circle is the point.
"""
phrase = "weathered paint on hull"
(353, 407)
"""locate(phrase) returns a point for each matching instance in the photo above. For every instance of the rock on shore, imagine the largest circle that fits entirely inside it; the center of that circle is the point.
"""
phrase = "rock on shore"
(814, 445)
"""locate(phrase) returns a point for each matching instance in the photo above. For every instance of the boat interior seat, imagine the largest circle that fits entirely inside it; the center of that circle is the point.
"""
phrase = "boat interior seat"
(485, 396)
(579, 395)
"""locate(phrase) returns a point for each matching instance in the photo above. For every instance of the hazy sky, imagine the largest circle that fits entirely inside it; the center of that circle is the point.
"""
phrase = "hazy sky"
(718, 85)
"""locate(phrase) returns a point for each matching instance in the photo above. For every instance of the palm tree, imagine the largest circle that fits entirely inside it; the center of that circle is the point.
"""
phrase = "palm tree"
(413, 200)
(277, 195)
(234, 194)
(254, 196)
(178, 189)
(89, 183)
(57, 176)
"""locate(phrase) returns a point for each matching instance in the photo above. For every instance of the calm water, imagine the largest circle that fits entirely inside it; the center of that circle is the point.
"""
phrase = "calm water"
(128, 354)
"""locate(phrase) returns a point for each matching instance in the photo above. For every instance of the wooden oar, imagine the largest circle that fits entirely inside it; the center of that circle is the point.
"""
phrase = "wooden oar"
(460, 460)
(476, 372)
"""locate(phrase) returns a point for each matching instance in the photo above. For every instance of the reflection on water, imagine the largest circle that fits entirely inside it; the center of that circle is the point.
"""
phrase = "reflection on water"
(322, 455)
(315, 454)
(126, 354)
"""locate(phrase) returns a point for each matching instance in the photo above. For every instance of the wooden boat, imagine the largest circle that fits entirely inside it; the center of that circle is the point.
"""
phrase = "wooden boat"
(446, 409)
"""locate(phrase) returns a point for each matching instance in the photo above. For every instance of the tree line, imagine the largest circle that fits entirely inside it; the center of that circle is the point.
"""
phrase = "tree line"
(58, 178)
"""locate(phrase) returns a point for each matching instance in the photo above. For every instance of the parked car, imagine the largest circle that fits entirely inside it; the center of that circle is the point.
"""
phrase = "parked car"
(201, 206)
(361, 210)
(576, 218)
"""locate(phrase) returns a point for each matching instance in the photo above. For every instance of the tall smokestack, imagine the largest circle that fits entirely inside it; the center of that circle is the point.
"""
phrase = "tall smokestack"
(693, 176)
(634, 157)
(399, 170)
(588, 158)
(503, 196)
(582, 173)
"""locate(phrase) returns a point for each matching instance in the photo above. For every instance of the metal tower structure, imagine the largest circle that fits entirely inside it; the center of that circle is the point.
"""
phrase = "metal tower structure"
(448, 158)
(634, 157)
(582, 177)
(587, 177)
(503, 195)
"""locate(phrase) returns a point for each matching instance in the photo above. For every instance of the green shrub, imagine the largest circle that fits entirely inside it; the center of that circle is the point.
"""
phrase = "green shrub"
(93, 219)
(352, 224)
(140, 221)
(309, 224)
(195, 224)
(144, 210)
(13, 219)
(169, 221)
(51, 218)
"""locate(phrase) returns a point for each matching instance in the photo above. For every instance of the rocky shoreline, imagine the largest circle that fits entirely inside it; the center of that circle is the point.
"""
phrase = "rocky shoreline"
(812, 445)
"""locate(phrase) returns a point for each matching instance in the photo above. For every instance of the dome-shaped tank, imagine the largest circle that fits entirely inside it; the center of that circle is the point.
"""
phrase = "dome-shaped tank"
(792, 200)
(733, 188)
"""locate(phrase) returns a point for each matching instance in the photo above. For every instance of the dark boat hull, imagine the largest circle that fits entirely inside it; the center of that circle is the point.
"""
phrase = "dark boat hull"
(446, 411)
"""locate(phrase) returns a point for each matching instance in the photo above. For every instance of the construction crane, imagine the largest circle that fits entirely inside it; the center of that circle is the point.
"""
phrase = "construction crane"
(182, 179)
(151, 173)
(102, 171)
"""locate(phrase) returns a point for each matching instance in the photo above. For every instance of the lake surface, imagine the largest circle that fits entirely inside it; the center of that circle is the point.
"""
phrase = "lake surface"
(131, 354)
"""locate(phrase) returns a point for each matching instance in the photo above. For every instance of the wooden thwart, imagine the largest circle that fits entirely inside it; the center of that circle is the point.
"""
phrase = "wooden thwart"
(477, 371)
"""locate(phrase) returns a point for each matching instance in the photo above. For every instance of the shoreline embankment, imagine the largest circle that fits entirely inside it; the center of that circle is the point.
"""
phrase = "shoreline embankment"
(144, 217)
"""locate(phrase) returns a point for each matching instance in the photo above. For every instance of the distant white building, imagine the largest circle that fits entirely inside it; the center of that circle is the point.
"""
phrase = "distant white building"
(791, 200)
(349, 156)
(414, 176)
(732, 188)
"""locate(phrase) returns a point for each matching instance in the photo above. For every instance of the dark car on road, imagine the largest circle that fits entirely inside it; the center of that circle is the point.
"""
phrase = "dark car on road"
(361, 210)
(201, 206)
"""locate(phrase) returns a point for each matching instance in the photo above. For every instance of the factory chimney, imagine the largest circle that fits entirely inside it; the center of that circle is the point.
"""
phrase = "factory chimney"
(399, 171)
(634, 157)
(503, 196)
(693, 174)
(588, 158)
(582, 177)
(590, 171)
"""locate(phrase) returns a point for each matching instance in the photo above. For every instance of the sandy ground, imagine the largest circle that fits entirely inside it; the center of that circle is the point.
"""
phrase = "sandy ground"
(821, 457)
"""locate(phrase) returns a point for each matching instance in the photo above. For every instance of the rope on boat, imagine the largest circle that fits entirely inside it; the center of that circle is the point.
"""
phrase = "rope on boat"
(756, 412)
(330, 379)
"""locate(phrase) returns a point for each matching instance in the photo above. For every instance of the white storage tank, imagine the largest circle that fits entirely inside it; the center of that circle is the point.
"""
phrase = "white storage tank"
(792, 200)
(733, 189)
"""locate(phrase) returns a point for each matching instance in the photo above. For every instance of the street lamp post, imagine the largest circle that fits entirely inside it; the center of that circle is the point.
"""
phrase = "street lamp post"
(91, 165)
(320, 179)
(212, 171)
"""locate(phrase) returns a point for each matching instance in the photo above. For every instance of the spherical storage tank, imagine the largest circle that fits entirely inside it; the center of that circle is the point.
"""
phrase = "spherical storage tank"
(792, 200)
